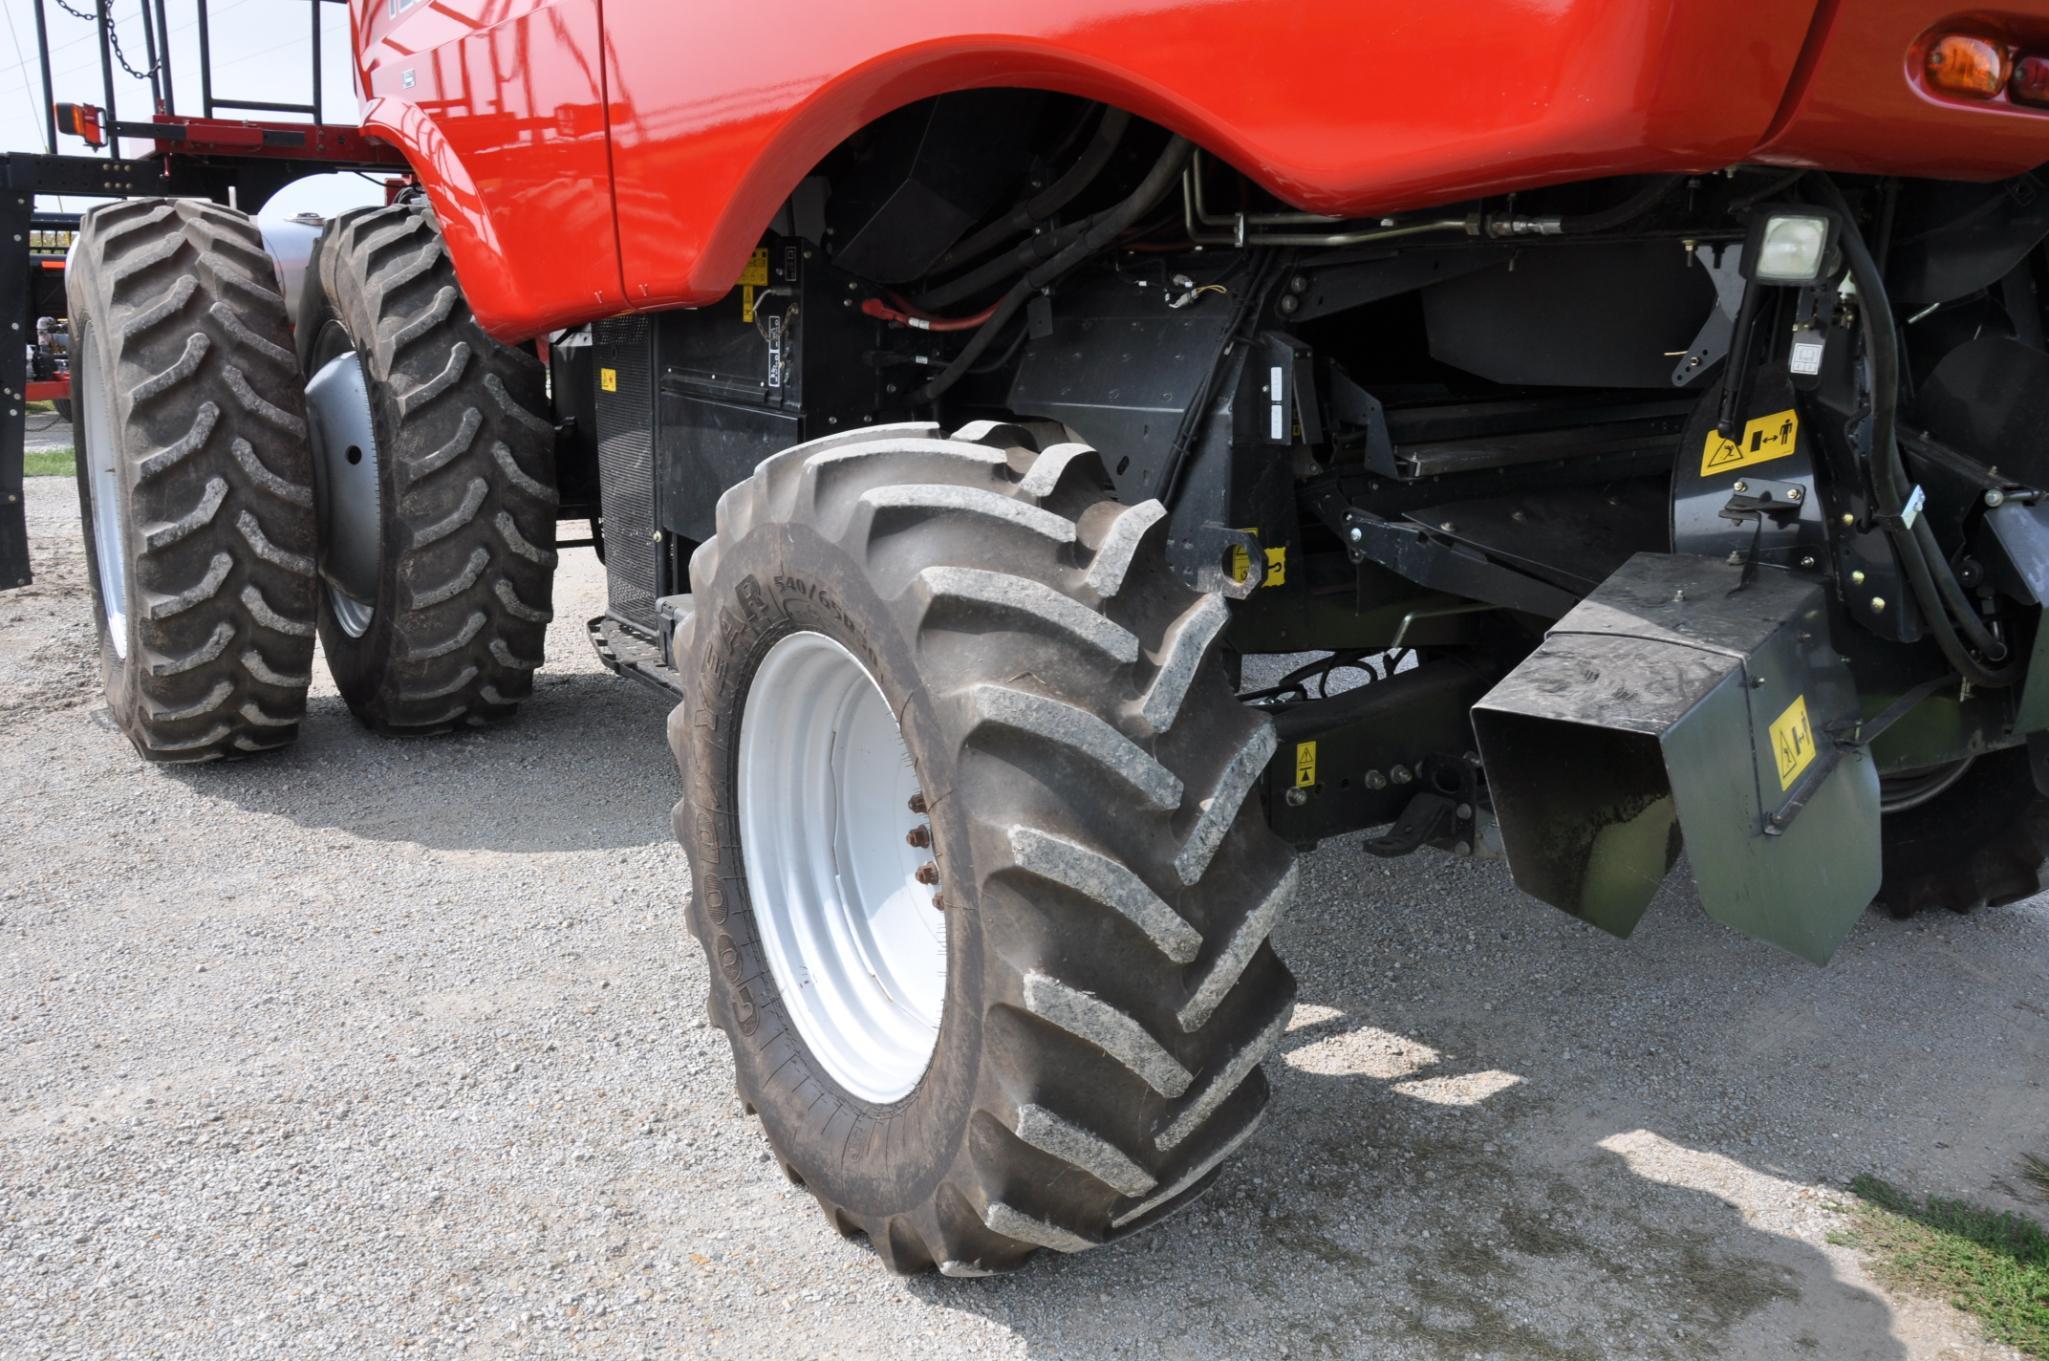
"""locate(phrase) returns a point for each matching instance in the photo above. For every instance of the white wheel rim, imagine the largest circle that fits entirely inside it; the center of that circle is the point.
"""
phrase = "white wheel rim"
(103, 478)
(855, 943)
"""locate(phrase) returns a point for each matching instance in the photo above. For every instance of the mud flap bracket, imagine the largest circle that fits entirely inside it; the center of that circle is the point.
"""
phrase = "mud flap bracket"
(1681, 702)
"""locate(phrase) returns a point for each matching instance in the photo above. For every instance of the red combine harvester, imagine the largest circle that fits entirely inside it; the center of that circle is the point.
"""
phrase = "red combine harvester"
(1645, 400)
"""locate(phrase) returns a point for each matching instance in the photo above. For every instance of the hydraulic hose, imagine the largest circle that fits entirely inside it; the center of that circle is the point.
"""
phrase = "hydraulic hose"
(1628, 210)
(1035, 250)
(1934, 586)
(1048, 201)
(1101, 230)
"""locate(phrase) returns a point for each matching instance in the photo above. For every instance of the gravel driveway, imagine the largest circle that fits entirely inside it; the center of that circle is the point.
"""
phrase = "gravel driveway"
(398, 1048)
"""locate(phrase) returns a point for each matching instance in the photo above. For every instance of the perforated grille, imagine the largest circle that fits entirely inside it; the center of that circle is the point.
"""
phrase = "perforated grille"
(626, 468)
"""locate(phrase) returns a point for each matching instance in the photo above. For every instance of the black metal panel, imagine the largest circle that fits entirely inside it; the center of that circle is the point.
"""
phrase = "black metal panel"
(626, 471)
(737, 381)
(922, 176)
(1121, 368)
(1609, 315)
(14, 282)
(707, 446)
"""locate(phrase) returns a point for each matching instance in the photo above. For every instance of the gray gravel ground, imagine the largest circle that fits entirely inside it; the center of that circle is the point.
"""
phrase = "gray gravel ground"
(384, 1048)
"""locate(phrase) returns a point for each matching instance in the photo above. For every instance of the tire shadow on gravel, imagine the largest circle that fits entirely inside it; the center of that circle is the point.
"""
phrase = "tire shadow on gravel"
(583, 766)
(1496, 1132)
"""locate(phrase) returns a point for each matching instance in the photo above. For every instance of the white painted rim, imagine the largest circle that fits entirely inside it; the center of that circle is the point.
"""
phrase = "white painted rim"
(855, 943)
(103, 477)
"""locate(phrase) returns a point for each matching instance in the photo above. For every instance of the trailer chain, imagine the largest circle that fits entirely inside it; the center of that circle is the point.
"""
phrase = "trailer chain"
(100, 16)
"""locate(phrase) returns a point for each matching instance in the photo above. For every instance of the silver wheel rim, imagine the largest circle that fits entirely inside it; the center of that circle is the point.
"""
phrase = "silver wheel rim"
(855, 943)
(103, 476)
(344, 438)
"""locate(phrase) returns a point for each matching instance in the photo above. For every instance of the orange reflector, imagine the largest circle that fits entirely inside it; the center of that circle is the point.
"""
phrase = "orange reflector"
(1963, 65)
(2030, 83)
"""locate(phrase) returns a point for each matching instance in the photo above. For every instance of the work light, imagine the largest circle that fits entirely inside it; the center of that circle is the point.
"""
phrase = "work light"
(1788, 246)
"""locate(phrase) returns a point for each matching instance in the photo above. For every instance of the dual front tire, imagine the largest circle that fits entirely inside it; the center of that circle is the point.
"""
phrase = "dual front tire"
(401, 505)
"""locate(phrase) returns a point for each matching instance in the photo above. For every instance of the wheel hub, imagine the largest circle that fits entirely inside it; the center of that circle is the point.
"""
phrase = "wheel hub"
(849, 924)
(345, 475)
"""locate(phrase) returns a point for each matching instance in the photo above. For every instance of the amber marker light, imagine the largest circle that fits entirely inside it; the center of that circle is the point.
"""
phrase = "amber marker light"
(1959, 64)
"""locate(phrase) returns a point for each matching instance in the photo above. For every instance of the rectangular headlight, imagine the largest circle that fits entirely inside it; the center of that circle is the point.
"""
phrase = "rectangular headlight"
(1792, 249)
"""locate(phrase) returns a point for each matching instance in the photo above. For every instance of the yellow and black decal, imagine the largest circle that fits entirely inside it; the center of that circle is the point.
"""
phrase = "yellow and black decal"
(1762, 440)
(1792, 737)
(753, 277)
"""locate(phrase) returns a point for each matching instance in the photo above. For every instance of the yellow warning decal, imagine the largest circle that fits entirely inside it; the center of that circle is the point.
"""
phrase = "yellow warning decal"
(1764, 439)
(608, 379)
(1305, 764)
(747, 302)
(1792, 741)
(1276, 563)
(756, 272)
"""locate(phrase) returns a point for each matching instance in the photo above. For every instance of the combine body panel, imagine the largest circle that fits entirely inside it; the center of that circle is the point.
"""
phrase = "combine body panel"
(532, 121)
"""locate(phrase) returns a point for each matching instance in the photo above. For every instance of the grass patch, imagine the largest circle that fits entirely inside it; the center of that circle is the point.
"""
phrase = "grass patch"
(1991, 1265)
(50, 463)
(2036, 1170)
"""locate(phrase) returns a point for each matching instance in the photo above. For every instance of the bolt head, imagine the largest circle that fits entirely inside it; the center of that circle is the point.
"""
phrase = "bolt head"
(1808, 561)
(1400, 774)
(1741, 485)
(1295, 798)
(1995, 497)
(1849, 520)
(1356, 534)
(1373, 779)
(1796, 493)
(1878, 604)
(928, 873)
(1857, 577)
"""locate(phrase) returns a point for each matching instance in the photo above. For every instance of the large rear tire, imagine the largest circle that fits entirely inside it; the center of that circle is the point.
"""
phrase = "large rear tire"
(194, 479)
(1066, 1044)
(436, 463)
(1981, 841)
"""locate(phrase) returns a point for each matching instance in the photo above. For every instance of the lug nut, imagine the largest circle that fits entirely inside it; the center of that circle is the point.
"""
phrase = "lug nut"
(918, 804)
(1400, 774)
(938, 903)
(1373, 779)
(928, 873)
(919, 836)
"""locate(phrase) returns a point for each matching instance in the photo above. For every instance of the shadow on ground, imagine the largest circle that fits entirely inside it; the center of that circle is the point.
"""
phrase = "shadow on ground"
(1498, 1133)
(584, 765)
